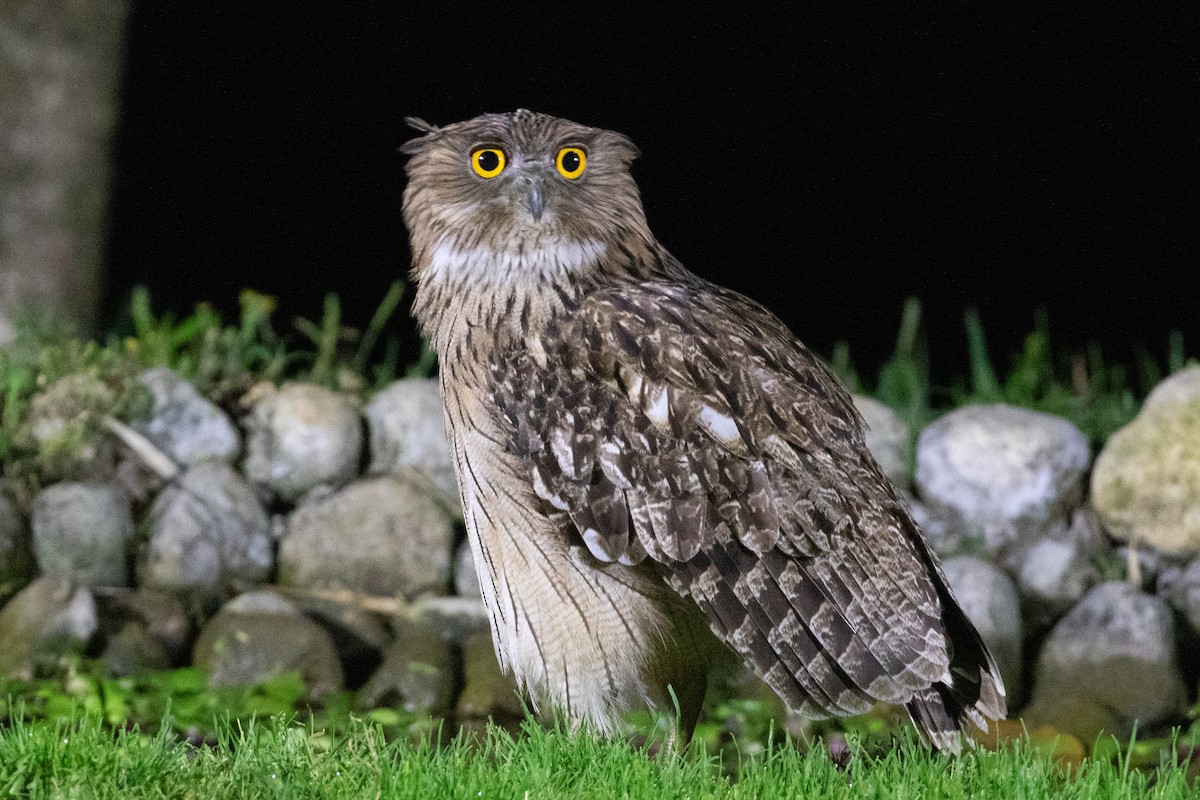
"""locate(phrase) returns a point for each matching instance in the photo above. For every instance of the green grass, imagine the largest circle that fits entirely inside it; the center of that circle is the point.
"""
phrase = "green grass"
(82, 758)
(47, 376)
(1098, 395)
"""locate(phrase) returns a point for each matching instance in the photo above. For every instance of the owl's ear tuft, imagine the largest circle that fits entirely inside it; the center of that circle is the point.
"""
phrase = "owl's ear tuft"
(622, 143)
(418, 124)
(426, 128)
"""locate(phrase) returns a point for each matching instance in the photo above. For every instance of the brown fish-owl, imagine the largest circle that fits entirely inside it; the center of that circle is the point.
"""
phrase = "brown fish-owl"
(654, 471)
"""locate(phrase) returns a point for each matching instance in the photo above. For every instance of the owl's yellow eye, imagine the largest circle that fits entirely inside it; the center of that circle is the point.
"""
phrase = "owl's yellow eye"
(488, 162)
(571, 162)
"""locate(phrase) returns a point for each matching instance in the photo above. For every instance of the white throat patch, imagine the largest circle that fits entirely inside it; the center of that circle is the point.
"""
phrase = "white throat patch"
(485, 265)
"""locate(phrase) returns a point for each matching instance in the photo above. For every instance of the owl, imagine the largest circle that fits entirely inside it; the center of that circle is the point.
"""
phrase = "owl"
(657, 477)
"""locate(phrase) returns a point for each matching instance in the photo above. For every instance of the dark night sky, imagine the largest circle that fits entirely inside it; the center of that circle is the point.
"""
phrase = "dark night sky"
(826, 165)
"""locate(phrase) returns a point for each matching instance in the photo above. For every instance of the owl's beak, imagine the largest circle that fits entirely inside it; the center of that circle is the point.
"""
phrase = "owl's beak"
(536, 198)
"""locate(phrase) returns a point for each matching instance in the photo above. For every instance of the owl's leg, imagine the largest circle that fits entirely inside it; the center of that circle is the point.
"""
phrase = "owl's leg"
(688, 699)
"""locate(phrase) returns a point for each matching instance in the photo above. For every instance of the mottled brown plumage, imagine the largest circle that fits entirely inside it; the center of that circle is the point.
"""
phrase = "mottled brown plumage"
(654, 471)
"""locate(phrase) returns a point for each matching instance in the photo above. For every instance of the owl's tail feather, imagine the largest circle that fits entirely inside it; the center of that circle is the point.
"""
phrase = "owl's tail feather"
(975, 692)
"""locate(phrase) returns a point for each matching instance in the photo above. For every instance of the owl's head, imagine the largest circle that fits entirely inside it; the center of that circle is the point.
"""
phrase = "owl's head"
(518, 183)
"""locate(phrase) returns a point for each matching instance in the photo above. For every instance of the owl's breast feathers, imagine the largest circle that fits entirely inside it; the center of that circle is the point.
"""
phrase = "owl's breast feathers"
(681, 422)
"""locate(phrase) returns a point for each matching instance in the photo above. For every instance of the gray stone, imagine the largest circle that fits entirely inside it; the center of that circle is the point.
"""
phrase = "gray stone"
(407, 432)
(418, 673)
(1183, 590)
(1168, 576)
(1005, 476)
(989, 599)
(1053, 576)
(489, 694)
(81, 533)
(16, 553)
(1179, 389)
(945, 539)
(262, 601)
(184, 424)
(64, 422)
(143, 630)
(1147, 561)
(47, 619)
(1088, 534)
(1146, 481)
(378, 536)
(888, 439)
(1108, 663)
(249, 647)
(358, 635)
(466, 579)
(302, 436)
(132, 650)
(456, 618)
(208, 532)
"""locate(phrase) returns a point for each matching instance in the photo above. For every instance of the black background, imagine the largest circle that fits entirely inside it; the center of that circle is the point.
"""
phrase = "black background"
(827, 165)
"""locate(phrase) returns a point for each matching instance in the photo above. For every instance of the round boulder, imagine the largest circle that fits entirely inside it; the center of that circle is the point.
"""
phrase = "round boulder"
(81, 533)
(259, 636)
(302, 436)
(989, 599)
(184, 424)
(1006, 475)
(489, 694)
(1183, 590)
(407, 432)
(1109, 663)
(16, 556)
(47, 619)
(887, 438)
(1053, 576)
(378, 536)
(1146, 482)
(418, 673)
(466, 579)
(208, 532)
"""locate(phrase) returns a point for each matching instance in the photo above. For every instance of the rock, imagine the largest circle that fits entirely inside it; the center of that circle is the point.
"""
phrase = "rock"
(1183, 591)
(1146, 481)
(302, 436)
(418, 673)
(359, 636)
(261, 601)
(132, 650)
(1006, 476)
(1053, 576)
(63, 422)
(184, 424)
(887, 438)
(81, 533)
(1088, 534)
(1148, 562)
(989, 599)
(1108, 663)
(945, 539)
(208, 533)
(144, 630)
(260, 636)
(455, 618)
(407, 432)
(466, 579)
(1179, 389)
(16, 553)
(378, 536)
(488, 692)
(47, 619)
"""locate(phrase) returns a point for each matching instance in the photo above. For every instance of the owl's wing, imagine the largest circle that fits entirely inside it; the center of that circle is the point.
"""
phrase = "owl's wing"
(686, 424)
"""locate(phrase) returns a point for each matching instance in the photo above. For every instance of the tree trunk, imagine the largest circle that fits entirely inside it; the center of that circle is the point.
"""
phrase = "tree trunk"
(60, 67)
